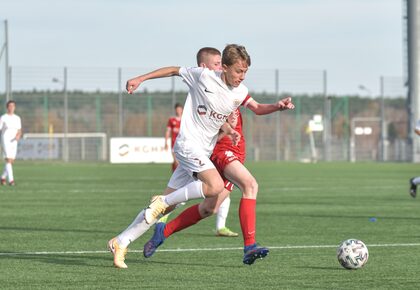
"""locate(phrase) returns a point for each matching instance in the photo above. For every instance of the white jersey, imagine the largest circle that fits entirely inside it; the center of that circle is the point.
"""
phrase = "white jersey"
(9, 125)
(209, 102)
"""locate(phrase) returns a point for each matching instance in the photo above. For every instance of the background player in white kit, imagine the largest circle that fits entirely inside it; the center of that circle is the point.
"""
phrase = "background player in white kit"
(212, 97)
(11, 131)
(414, 181)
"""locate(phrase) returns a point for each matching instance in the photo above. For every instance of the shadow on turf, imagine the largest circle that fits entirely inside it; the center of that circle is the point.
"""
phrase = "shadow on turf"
(82, 260)
(65, 260)
(320, 268)
(51, 230)
(189, 263)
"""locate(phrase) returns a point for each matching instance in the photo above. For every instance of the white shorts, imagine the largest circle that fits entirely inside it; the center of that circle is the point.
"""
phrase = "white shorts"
(187, 169)
(9, 149)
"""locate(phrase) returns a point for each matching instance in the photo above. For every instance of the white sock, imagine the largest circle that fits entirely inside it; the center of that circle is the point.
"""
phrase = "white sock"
(222, 214)
(416, 180)
(137, 228)
(9, 170)
(193, 190)
(4, 175)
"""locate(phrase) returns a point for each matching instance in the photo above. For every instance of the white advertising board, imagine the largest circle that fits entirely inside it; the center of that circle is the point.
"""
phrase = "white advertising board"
(139, 150)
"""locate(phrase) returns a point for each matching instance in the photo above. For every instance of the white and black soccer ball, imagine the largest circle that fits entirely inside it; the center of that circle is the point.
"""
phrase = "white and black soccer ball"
(352, 254)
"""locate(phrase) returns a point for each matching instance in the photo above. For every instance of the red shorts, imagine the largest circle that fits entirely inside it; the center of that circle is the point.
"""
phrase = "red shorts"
(221, 159)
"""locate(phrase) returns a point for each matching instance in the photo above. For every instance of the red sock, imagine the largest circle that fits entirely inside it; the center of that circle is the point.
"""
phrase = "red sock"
(185, 219)
(247, 218)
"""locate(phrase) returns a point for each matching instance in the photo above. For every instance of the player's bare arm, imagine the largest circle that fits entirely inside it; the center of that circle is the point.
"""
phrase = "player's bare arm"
(236, 137)
(232, 121)
(164, 72)
(417, 131)
(18, 135)
(264, 109)
(167, 135)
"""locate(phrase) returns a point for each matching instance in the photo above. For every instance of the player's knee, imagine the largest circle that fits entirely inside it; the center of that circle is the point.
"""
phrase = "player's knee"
(214, 188)
(250, 188)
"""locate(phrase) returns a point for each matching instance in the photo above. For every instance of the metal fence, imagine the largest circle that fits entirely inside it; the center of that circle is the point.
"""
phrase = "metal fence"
(92, 100)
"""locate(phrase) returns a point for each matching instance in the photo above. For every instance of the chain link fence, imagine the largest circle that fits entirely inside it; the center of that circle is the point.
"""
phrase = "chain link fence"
(77, 100)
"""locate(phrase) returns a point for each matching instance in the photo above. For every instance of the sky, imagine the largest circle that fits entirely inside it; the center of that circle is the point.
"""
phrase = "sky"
(355, 41)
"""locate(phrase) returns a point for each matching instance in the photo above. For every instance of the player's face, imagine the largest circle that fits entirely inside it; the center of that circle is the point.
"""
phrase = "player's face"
(235, 73)
(11, 108)
(178, 111)
(214, 62)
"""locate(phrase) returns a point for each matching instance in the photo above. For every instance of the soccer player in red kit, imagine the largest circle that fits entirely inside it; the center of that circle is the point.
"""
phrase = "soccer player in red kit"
(172, 130)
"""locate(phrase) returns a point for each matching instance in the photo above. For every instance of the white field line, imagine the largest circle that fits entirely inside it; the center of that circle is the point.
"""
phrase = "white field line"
(205, 249)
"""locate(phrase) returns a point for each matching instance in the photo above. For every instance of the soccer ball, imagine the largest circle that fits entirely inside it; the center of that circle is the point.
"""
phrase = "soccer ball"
(352, 254)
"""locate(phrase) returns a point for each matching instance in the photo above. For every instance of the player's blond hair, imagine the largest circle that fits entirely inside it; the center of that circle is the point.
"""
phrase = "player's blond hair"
(203, 52)
(234, 52)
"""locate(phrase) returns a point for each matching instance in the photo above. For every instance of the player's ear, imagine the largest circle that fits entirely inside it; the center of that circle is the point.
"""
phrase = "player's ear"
(224, 67)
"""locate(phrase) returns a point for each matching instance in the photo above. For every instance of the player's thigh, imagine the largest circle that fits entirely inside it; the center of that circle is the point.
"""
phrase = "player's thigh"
(212, 182)
(237, 173)
(180, 178)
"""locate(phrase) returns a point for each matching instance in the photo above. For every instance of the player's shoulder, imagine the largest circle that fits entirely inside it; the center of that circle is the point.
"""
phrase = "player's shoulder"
(242, 91)
(198, 70)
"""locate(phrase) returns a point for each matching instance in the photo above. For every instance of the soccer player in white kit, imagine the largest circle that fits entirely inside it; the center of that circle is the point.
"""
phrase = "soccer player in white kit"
(414, 181)
(11, 131)
(212, 97)
(211, 58)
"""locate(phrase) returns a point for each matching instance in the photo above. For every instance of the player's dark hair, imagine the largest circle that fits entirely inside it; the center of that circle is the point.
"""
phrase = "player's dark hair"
(10, 102)
(233, 52)
(178, 105)
(206, 51)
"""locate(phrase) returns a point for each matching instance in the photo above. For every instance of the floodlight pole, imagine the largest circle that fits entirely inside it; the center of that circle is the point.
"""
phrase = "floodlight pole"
(120, 104)
(327, 120)
(66, 118)
(413, 46)
(6, 60)
(278, 123)
(173, 92)
(383, 123)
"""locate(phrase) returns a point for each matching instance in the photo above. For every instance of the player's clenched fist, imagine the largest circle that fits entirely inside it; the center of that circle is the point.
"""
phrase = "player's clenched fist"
(286, 104)
(133, 84)
(236, 137)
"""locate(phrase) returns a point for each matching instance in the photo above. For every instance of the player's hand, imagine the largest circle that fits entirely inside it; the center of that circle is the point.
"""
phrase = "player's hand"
(236, 137)
(132, 85)
(166, 147)
(286, 104)
(233, 119)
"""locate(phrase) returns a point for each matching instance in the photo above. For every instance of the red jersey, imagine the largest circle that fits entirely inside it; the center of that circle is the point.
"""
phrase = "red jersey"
(225, 144)
(173, 124)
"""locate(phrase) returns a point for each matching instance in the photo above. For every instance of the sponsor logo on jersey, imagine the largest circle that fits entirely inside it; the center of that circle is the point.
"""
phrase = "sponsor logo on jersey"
(201, 110)
(207, 91)
(237, 102)
(218, 116)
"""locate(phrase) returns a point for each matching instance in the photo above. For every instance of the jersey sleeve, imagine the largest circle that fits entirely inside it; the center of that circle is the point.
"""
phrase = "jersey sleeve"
(1, 123)
(169, 124)
(246, 101)
(190, 75)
